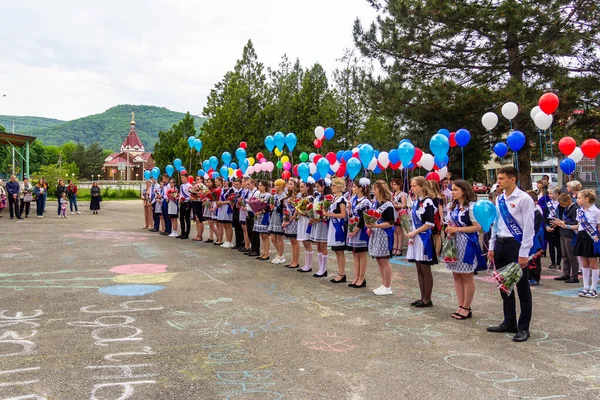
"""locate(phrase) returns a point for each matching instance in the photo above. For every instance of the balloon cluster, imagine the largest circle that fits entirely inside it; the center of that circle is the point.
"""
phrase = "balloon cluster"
(589, 148)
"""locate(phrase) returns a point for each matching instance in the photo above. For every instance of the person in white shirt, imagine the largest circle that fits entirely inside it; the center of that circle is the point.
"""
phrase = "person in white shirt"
(511, 241)
(185, 209)
(587, 246)
(165, 206)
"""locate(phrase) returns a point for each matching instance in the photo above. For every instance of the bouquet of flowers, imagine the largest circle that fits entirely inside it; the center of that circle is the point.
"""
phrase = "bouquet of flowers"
(317, 212)
(210, 196)
(371, 217)
(232, 197)
(353, 223)
(304, 206)
(173, 194)
(405, 221)
(327, 202)
(449, 250)
(257, 205)
(287, 215)
(241, 203)
(197, 190)
(508, 276)
(272, 198)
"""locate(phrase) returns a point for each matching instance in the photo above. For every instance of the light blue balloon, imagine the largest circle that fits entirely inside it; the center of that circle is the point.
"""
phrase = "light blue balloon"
(323, 166)
(233, 165)
(191, 140)
(311, 156)
(201, 172)
(214, 175)
(303, 171)
(244, 164)
(224, 171)
(279, 139)
(365, 154)
(270, 143)
(441, 163)
(291, 141)
(206, 165)
(147, 174)
(406, 152)
(170, 169)
(240, 154)
(226, 158)
(155, 172)
(198, 144)
(439, 145)
(485, 214)
(329, 133)
(177, 163)
(353, 167)
(444, 132)
(404, 141)
(181, 168)
(213, 162)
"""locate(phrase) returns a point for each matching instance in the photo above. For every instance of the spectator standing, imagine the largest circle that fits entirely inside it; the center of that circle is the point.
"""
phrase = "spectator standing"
(95, 198)
(60, 189)
(39, 191)
(2, 197)
(26, 194)
(147, 197)
(62, 206)
(566, 221)
(13, 188)
(72, 192)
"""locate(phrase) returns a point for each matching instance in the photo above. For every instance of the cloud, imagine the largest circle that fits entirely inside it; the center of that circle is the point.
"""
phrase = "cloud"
(64, 59)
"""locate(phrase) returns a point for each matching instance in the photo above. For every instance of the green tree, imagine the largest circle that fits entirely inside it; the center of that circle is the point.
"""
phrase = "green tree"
(173, 144)
(486, 53)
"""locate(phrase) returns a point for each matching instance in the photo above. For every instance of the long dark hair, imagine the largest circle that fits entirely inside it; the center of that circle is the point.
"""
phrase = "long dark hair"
(398, 182)
(468, 193)
(309, 188)
(326, 189)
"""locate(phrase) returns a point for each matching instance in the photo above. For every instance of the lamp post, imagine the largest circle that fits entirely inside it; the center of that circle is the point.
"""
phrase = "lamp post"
(136, 176)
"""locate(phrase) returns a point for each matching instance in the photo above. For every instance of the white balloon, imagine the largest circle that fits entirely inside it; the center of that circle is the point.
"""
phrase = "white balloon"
(249, 170)
(312, 168)
(543, 121)
(355, 150)
(576, 155)
(373, 164)
(534, 111)
(335, 166)
(510, 110)
(384, 159)
(442, 172)
(270, 166)
(257, 167)
(427, 161)
(489, 120)
(311, 156)
(319, 132)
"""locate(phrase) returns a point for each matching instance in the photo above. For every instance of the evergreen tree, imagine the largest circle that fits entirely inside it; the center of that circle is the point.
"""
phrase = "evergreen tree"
(173, 144)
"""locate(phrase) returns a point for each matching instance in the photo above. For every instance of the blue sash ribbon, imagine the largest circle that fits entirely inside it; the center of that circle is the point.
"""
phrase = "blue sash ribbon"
(592, 231)
(390, 234)
(511, 224)
(551, 210)
(473, 249)
(309, 229)
(340, 231)
(425, 236)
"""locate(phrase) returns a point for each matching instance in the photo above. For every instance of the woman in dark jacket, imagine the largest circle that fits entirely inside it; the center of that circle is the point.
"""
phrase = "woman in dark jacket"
(60, 189)
(95, 198)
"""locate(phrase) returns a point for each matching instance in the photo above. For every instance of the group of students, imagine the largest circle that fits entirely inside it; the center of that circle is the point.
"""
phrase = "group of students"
(368, 219)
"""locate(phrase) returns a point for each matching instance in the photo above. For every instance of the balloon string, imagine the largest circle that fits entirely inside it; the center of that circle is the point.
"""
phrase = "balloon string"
(541, 146)
(552, 149)
(510, 124)
(462, 151)
(596, 175)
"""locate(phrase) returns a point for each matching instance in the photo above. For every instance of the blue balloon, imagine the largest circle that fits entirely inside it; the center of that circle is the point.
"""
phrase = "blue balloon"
(404, 141)
(214, 175)
(191, 140)
(177, 163)
(279, 139)
(485, 214)
(567, 166)
(170, 169)
(411, 166)
(226, 158)
(376, 154)
(393, 156)
(444, 132)
(244, 164)
(303, 171)
(406, 152)
(155, 172)
(515, 140)
(353, 167)
(147, 174)
(439, 145)
(213, 162)
(181, 168)
(240, 154)
(316, 176)
(377, 170)
(441, 163)
(347, 155)
(270, 143)
(233, 165)
(329, 133)
(500, 149)
(206, 165)
(224, 171)
(291, 141)
(339, 155)
(365, 154)
(198, 144)
(201, 172)
(462, 137)
(323, 166)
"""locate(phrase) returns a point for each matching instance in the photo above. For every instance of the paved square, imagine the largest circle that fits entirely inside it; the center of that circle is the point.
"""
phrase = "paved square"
(94, 307)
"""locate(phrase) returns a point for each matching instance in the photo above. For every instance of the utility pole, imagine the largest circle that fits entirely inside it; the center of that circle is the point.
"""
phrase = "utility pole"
(13, 149)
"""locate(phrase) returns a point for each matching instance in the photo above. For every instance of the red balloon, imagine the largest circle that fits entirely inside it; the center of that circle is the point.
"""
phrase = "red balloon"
(381, 167)
(210, 171)
(435, 167)
(259, 156)
(286, 175)
(239, 173)
(548, 103)
(316, 158)
(395, 166)
(355, 155)
(331, 157)
(417, 157)
(452, 139)
(318, 143)
(590, 148)
(432, 176)
(191, 179)
(295, 170)
(341, 171)
(567, 145)
(243, 145)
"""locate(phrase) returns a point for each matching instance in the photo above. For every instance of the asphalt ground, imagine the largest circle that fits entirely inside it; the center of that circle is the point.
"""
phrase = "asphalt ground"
(94, 307)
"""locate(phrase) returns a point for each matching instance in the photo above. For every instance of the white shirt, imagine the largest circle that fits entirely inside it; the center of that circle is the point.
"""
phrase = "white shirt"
(185, 191)
(592, 215)
(522, 209)
(251, 194)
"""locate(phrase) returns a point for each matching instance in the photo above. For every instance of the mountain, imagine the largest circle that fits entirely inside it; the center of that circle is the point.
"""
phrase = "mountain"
(109, 128)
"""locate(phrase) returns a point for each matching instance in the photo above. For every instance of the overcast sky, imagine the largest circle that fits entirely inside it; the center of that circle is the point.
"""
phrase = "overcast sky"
(66, 59)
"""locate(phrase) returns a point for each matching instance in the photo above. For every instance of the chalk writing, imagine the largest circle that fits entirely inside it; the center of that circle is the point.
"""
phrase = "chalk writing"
(272, 290)
(255, 329)
(421, 333)
(210, 303)
(139, 269)
(330, 342)
(247, 383)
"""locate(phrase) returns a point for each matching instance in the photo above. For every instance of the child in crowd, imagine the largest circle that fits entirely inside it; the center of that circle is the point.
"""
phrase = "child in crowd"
(566, 221)
(63, 206)
(587, 247)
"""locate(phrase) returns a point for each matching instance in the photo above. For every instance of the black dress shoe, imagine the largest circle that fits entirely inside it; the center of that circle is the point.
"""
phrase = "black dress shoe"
(208, 241)
(352, 285)
(323, 275)
(414, 303)
(502, 329)
(178, 236)
(184, 237)
(308, 270)
(252, 254)
(420, 304)
(521, 336)
(244, 250)
(343, 280)
(362, 285)
(153, 230)
(561, 278)
(235, 247)
(572, 280)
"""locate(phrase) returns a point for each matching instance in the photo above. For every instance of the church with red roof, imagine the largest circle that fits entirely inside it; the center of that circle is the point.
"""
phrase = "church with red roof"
(130, 163)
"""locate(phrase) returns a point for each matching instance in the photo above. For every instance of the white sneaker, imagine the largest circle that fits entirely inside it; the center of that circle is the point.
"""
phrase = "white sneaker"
(42, 217)
(173, 234)
(378, 289)
(78, 213)
(72, 213)
(275, 260)
(282, 260)
(383, 291)
(225, 245)
(66, 216)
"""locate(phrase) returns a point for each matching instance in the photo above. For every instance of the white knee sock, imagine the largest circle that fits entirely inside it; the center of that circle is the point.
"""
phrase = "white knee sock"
(307, 260)
(586, 278)
(595, 275)
(323, 265)
(320, 260)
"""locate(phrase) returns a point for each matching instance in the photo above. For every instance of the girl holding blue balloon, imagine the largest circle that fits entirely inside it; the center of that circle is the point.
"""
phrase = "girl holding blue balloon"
(208, 212)
(469, 257)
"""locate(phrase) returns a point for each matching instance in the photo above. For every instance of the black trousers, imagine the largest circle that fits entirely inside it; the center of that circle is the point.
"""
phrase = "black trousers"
(553, 239)
(237, 228)
(506, 252)
(184, 218)
(156, 219)
(13, 205)
(26, 205)
(254, 236)
(166, 219)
